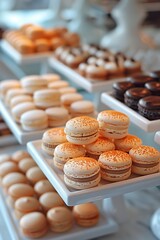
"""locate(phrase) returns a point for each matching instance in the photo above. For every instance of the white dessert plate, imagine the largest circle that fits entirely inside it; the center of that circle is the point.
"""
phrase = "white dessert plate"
(22, 136)
(22, 59)
(104, 227)
(89, 85)
(142, 122)
(103, 190)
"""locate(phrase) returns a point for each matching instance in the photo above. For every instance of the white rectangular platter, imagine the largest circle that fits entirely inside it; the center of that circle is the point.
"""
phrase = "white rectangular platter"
(157, 137)
(22, 136)
(89, 85)
(104, 227)
(135, 117)
(22, 59)
(103, 190)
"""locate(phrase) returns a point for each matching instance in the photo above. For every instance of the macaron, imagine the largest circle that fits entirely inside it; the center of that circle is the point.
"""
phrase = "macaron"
(82, 130)
(46, 98)
(35, 174)
(86, 215)
(26, 205)
(8, 84)
(34, 120)
(13, 178)
(66, 151)
(21, 108)
(149, 107)
(51, 138)
(145, 160)
(43, 186)
(19, 155)
(20, 99)
(19, 190)
(125, 144)
(13, 93)
(82, 173)
(34, 225)
(50, 77)
(82, 108)
(60, 219)
(101, 145)
(57, 116)
(26, 164)
(5, 158)
(66, 90)
(115, 165)
(33, 83)
(113, 124)
(58, 84)
(8, 167)
(50, 200)
(68, 98)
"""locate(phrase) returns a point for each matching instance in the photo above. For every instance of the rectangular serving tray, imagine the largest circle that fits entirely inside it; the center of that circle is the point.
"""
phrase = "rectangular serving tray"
(103, 190)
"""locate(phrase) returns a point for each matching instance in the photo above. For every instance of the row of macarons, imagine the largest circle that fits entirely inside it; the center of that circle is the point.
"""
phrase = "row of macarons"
(36, 202)
(141, 93)
(84, 140)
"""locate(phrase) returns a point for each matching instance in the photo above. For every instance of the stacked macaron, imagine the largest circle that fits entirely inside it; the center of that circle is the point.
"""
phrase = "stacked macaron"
(38, 102)
(141, 93)
(93, 149)
(36, 204)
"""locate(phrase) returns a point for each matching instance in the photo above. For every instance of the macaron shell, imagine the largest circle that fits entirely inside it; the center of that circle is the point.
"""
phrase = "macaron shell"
(86, 215)
(20, 109)
(125, 144)
(43, 186)
(8, 167)
(34, 225)
(145, 170)
(99, 146)
(35, 174)
(5, 158)
(12, 178)
(82, 185)
(27, 204)
(49, 200)
(113, 117)
(146, 154)
(21, 190)
(115, 177)
(81, 167)
(113, 133)
(19, 155)
(25, 164)
(60, 219)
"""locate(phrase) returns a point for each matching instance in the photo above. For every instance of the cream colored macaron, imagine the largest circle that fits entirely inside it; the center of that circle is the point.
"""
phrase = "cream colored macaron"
(82, 130)
(68, 98)
(20, 99)
(101, 145)
(35, 174)
(12, 178)
(60, 219)
(81, 108)
(113, 124)
(66, 90)
(8, 84)
(50, 200)
(51, 138)
(26, 163)
(57, 116)
(19, 155)
(13, 93)
(47, 98)
(33, 83)
(43, 186)
(34, 225)
(115, 165)
(26, 205)
(21, 108)
(34, 120)
(66, 151)
(145, 160)
(8, 167)
(127, 143)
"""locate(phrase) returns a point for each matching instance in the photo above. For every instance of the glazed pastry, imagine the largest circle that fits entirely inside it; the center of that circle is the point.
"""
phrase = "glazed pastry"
(149, 107)
(133, 95)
